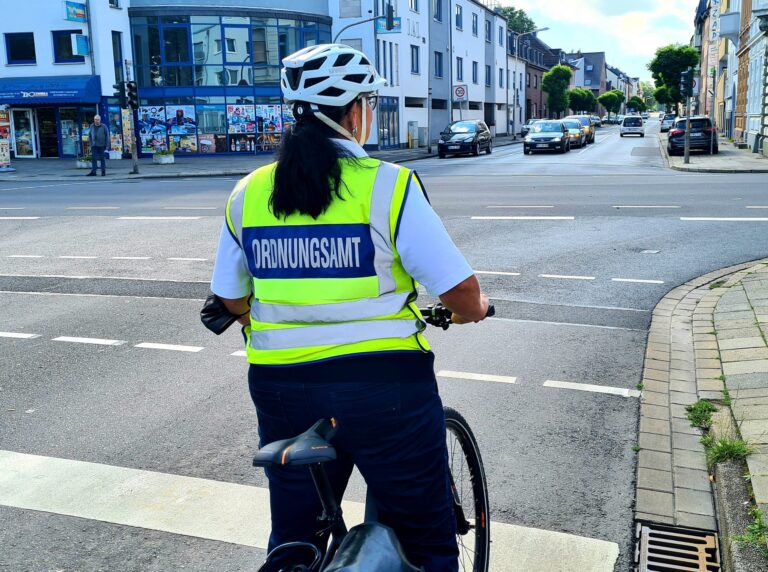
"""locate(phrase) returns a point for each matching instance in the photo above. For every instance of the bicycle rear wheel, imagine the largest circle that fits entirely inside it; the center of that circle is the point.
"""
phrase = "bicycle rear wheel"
(470, 493)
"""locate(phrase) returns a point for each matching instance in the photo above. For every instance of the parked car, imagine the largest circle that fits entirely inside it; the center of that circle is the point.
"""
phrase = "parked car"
(596, 120)
(527, 127)
(465, 137)
(644, 115)
(703, 136)
(586, 121)
(549, 135)
(661, 116)
(667, 121)
(577, 135)
(632, 125)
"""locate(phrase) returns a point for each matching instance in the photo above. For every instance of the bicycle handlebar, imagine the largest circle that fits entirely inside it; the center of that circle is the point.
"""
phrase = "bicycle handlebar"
(440, 316)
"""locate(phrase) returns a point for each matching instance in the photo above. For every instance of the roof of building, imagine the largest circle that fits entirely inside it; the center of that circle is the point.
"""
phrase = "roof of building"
(596, 75)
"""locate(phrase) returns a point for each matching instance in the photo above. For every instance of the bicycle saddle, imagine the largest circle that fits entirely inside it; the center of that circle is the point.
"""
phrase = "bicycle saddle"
(370, 547)
(310, 447)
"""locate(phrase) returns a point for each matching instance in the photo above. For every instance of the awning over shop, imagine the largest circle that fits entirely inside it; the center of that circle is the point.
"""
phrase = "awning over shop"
(50, 90)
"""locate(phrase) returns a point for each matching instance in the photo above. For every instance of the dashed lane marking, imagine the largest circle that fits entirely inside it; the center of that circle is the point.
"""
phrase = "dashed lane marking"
(130, 258)
(189, 259)
(637, 280)
(239, 353)
(99, 295)
(136, 278)
(476, 376)
(757, 207)
(190, 208)
(620, 391)
(18, 335)
(92, 208)
(566, 277)
(523, 218)
(25, 256)
(168, 347)
(723, 219)
(646, 206)
(159, 218)
(93, 341)
(19, 217)
(12, 208)
(520, 207)
(497, 273)
(80, 257)
(238, 514)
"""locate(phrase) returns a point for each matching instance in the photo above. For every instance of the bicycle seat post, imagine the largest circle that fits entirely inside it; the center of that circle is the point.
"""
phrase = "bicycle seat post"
(331, 518)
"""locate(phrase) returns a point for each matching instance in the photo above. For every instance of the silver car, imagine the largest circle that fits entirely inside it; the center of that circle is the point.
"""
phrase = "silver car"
(668, 121)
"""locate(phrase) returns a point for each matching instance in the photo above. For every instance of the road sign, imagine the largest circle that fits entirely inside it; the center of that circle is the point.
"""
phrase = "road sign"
(696, 84)
(460, 93)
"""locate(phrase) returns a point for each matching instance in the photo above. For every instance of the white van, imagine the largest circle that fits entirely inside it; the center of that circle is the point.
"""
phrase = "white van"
(632, 125)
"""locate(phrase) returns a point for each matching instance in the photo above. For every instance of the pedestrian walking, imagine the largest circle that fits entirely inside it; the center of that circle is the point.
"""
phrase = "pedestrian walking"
(98, 135)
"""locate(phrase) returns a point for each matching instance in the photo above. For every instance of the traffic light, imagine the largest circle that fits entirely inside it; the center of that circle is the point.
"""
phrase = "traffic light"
(686, 83)
(119, 92)
(390, 24)
(132, 94)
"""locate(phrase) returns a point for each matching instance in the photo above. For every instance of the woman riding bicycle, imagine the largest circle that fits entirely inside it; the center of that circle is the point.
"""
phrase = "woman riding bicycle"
(321, 256)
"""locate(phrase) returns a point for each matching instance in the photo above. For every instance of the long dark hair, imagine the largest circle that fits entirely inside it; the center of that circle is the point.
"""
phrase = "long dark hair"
(308, 174)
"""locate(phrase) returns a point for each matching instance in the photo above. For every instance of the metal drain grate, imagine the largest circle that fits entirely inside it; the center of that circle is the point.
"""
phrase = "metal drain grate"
(663, 548)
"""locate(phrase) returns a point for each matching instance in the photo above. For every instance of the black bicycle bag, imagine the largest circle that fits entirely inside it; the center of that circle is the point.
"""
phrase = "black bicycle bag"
(370, 547)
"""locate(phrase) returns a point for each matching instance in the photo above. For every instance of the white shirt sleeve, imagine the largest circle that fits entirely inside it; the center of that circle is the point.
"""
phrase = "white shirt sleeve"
(231, 278)
(426, 249)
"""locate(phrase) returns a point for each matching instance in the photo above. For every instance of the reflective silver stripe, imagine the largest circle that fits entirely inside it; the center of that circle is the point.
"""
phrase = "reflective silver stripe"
(332, 334)
(381, 201)
(236, 202)
(331, 312)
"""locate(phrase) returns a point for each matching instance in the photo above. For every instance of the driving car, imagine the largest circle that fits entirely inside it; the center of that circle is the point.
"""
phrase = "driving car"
(644, 115)
(596, 120)
(469, 136)
(589, 127)
(632, 125)
(703, 136)
(577, 135)
(667, 121)
(527, 127)
(549, 135)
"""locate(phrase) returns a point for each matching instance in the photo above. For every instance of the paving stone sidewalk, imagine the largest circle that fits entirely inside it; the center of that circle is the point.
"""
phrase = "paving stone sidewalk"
(728, 160)
(706, 336)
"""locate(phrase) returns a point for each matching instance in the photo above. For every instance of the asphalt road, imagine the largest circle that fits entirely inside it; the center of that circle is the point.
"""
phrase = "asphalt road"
(575, 250)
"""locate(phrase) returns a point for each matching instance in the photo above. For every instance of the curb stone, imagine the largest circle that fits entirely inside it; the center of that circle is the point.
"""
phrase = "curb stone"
(680, 368)
(687, 169)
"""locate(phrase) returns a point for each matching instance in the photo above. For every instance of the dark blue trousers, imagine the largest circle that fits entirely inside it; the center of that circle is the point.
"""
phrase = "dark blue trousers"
(392, 429)
(97, 156)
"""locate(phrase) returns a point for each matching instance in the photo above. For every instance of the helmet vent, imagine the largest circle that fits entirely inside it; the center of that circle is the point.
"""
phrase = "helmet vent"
(314, 64)
(364, 61)
(356, 78)
(343, 60)
(331, 92)
(313, 81)
(293, 75)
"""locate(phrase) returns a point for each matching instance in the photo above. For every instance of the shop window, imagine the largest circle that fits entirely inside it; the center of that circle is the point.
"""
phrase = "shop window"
(117, 54)
(266, 74)
(176, 76)
(206, 44)
(62, 47)
(237, 40)
(287, 40)
(178, 19)
(474, 72)
(176, 41)
(20, 48)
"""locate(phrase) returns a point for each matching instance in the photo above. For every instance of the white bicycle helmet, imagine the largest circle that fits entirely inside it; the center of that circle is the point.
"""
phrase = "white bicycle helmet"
(330, 75)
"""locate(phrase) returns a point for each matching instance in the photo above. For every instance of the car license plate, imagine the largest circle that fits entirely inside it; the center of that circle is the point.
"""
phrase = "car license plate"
(454, 146)
(697, 134)
(544, 145)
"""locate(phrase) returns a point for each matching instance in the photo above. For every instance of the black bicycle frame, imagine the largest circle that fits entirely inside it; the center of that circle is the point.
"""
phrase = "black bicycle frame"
(332, 517)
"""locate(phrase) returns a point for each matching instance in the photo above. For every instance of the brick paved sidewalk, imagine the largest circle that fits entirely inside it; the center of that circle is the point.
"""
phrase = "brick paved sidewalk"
(707, 336)
(728, 160)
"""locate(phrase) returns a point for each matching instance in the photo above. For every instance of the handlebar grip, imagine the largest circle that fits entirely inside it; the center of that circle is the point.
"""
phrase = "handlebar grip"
(491, 311)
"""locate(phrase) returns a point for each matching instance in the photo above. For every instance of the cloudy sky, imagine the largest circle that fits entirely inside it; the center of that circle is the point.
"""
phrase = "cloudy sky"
(628, 31)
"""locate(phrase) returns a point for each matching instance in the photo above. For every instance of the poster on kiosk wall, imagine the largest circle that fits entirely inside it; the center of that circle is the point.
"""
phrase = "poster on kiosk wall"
(182, 128)
(152, 128)
(241, 118)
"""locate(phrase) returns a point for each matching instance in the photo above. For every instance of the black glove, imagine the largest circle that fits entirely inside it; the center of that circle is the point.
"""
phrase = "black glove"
(215, 316)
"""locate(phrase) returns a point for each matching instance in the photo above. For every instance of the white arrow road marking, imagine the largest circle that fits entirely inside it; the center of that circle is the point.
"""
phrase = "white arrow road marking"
(593, 388)
(476, 376)
(239, 514)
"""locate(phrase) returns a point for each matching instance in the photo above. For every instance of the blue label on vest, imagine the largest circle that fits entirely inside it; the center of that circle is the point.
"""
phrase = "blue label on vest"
(312, 251)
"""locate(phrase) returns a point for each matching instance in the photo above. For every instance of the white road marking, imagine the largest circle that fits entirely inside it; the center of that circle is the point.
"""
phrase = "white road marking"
(130, 257)
(159, 218)
(476, 376)
(18, 335)
(239, 514)
(105, 278)
(169, 347)
(723, 219)
(26, 293)
(522, 218)
(94, 341)
(566, 277)
(593, 388)
(568, 324)
(650, 251)
(646, 207)
(80, 257)
(19, 217)
(189, 259)
(190, 208)
(239, 353)
(12, 208)
(25, 256)
(92, 208)
(499, 273)
(520, 207)
(637, 280)
(757, 207)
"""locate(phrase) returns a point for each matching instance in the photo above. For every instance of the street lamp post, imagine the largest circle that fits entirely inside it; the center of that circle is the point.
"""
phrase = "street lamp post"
(514, 77)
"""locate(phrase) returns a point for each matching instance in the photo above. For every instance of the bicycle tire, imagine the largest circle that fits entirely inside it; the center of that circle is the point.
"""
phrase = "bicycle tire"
(458, 432)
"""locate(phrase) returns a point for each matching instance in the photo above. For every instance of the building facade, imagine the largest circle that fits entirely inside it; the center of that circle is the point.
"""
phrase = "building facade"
(757, 43)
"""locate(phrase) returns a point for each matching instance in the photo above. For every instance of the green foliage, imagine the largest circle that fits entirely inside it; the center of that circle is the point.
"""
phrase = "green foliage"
(662, 95)
(636, 103)
(581, 99)
(700, 414)
(667, 65)
(724, 449)
(756, 531)
(610, 101)
(555, 83)
(648, 89)
(517, 20)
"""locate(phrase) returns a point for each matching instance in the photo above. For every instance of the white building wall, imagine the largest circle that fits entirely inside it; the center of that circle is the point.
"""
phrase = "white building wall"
(500, 64)
(106, 20)
(471, 48)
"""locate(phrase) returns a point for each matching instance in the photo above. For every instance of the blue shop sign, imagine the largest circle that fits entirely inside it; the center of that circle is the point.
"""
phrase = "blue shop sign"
(52, 90)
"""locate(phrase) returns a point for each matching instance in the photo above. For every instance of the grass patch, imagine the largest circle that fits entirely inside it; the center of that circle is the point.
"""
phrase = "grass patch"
(756, 531)
(637, 448)
(724, 449)
(640, 386)
(726, 395)
(718, 284)
(700, 414)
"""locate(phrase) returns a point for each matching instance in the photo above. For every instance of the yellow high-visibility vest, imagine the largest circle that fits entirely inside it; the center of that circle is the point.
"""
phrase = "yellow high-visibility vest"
(331, 286)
